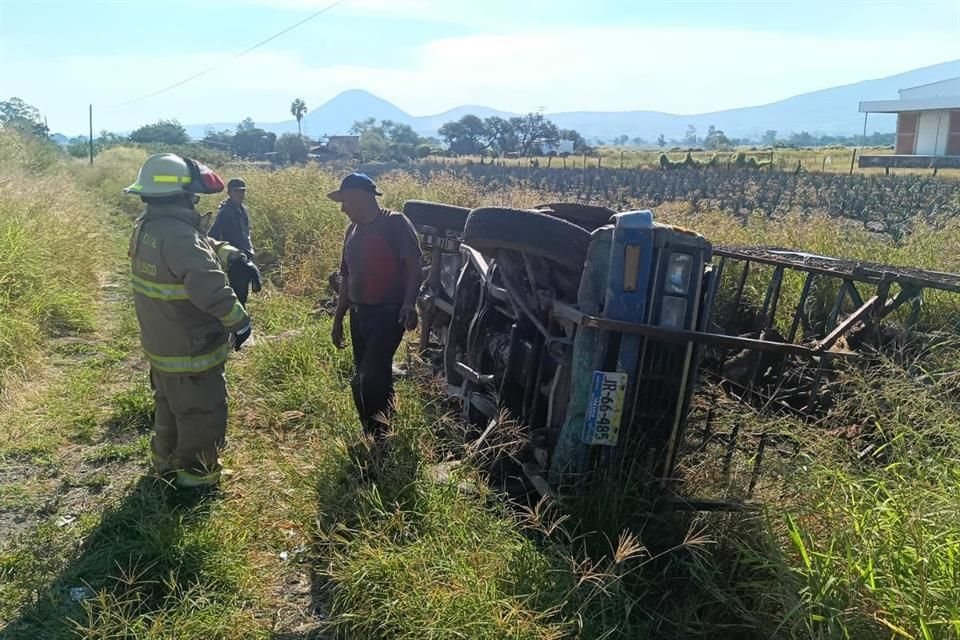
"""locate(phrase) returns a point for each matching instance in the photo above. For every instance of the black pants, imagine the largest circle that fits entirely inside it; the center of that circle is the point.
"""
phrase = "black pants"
(375, 333)
(239, 277)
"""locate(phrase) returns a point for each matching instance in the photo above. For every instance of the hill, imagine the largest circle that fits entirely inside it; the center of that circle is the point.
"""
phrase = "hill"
(828, 111)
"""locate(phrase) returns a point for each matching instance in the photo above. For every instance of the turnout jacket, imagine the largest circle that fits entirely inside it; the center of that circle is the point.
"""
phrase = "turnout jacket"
(184, 303)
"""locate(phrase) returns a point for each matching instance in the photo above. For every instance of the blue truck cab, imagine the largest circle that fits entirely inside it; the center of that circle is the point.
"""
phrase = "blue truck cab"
(630, 391)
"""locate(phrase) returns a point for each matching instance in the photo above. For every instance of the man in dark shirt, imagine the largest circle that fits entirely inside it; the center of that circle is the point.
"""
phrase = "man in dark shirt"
(233, 226)
(380, 279)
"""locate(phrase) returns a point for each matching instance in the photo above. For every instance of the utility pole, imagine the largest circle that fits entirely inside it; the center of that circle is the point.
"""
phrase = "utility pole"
(91, 135)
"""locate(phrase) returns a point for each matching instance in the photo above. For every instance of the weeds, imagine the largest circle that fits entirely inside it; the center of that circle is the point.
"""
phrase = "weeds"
(316, 532)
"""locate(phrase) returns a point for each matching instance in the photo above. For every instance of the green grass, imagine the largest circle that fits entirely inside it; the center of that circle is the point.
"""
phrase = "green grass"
(317, 535)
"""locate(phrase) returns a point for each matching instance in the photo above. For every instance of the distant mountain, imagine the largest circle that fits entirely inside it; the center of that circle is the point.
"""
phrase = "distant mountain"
(830, 111)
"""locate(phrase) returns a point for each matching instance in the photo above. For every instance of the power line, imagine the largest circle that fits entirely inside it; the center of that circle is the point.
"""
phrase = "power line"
(242, 53)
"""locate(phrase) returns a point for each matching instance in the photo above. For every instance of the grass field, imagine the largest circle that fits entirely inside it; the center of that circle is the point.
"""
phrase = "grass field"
(315, 535)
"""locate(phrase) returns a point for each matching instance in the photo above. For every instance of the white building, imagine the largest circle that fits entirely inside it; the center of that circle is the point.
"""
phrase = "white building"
(928, 126)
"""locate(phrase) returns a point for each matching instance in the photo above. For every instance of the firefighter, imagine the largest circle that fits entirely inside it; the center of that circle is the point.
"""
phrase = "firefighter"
(233, 226)
(380, 274)
(188, 315)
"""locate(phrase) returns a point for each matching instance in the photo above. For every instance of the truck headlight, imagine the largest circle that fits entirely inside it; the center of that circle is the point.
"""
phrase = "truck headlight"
(673, 312)
(678, 273)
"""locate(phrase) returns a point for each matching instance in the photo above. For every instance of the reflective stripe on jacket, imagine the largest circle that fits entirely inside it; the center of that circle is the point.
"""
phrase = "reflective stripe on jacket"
(185, 306)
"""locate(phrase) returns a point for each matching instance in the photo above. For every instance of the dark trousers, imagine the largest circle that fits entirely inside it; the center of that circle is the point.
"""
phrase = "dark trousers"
(239, 281)
(375, 333)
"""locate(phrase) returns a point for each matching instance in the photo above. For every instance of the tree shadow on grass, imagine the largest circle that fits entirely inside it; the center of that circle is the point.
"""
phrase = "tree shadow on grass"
(135, 563)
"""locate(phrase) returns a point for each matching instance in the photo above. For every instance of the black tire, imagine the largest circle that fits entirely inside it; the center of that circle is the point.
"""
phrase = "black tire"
(436, 215)
(531, 232)
(590, 217)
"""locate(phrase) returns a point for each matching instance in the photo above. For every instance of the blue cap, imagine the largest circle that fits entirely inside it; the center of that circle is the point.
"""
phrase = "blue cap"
(356, 181)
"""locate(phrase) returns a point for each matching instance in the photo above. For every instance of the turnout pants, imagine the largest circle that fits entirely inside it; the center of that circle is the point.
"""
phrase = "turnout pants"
(239, 278)
(375, 333)
(190, 424)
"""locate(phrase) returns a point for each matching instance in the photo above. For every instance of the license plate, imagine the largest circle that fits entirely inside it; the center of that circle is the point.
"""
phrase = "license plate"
(605, 408)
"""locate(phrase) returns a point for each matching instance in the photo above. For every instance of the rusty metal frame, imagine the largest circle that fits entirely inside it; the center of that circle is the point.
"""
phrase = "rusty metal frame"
(819, 350)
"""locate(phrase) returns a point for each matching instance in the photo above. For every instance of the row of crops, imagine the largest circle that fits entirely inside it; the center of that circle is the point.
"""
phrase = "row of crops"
(883, 203)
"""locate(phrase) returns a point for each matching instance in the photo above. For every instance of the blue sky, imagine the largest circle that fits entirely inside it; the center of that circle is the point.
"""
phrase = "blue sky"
(427, 56)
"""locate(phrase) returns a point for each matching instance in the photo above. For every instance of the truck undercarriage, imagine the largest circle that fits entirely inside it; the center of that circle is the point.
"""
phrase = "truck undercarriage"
(592, 328)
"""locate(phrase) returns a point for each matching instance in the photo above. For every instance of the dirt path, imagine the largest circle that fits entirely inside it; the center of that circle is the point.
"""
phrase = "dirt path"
(72, 438)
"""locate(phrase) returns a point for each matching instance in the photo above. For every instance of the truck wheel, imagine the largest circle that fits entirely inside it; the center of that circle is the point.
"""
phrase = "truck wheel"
(590, 217)
(530, 232)
(436, 215)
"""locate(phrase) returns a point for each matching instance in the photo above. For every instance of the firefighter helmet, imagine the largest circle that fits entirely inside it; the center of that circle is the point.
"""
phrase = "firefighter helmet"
(167, 174)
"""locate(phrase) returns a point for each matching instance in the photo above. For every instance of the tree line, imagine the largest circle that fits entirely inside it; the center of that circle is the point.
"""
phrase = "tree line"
(386, 140)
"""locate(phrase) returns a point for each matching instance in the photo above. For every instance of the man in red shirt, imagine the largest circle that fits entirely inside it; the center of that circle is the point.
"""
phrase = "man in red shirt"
(380, 279)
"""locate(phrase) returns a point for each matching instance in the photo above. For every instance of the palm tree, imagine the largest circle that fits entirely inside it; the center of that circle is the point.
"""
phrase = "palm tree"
(298, 108)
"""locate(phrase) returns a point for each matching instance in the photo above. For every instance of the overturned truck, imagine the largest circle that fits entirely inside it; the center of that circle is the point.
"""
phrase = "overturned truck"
(590, 328)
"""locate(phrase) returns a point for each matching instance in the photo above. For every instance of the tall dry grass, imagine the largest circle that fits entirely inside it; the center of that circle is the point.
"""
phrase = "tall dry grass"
(52, 251)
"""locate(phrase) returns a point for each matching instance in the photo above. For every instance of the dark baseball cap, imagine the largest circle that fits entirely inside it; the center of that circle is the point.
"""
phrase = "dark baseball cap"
(357, 181)
(236, 183)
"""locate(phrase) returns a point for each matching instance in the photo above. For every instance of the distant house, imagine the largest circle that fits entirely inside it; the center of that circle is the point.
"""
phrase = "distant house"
(329, 146)
(928, 126)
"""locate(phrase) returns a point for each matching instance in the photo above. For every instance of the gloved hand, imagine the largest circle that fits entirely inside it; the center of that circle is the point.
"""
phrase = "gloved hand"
(241, 335)
(256, 280)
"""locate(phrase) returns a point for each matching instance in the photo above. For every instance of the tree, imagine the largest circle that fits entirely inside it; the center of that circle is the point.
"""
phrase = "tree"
(715, 139)
(661, 141)
(17, 114)
(690, 137)
(638, 141)
(360, 126)
(387, 140)
(79, 147)
(107, 139)
(251, 141)
(802, 139)
(769, 137)
(399, 133)
(298, 108)
(502, 134)
(534, 130)
(579, 142)
(373, 144)
(169, 132)
(621, 140)
(246, 125)
(219, 139)
(467, 136)
(291, 148)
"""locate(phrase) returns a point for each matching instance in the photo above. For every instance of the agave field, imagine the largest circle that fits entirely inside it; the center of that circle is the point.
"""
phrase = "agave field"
(889, 204)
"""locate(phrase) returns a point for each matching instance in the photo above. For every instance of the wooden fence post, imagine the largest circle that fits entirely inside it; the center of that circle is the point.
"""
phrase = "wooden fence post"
(852, 159)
